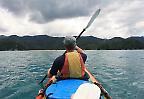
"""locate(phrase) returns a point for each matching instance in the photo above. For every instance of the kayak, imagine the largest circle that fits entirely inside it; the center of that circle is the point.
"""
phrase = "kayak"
(64, 89)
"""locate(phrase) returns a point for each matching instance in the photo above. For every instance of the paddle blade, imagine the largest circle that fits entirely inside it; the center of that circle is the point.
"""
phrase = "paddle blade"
(93, 18)
(89, 23)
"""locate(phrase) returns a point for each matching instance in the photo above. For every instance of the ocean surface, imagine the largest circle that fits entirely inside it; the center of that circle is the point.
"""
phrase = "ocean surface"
(121, 72)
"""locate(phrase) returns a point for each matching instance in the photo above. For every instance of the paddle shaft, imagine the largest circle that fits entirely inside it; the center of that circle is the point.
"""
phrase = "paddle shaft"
(80, 34)
(43, 78)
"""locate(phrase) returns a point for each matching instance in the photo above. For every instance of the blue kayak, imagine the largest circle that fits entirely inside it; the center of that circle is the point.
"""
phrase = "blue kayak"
(63, 89)
(75, 88)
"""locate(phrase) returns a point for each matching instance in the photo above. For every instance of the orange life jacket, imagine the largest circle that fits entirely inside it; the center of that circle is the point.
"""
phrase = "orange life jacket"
(73, 66)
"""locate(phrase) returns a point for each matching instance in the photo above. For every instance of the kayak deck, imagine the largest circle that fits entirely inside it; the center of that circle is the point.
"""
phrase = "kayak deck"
(63, 89)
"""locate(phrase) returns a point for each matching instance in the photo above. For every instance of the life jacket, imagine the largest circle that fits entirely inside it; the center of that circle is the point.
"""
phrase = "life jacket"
(73, 66)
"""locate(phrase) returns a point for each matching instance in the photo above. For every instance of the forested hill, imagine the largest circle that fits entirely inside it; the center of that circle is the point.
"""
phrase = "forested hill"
(44, 42)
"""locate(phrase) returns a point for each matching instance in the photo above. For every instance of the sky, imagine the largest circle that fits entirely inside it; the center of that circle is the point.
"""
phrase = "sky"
(118, 18)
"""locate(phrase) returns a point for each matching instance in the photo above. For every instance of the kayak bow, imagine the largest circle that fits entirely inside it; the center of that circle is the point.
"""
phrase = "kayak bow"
(64, 89)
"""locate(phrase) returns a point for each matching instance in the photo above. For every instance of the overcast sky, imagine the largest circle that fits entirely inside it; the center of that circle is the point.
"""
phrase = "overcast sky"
(118, 18)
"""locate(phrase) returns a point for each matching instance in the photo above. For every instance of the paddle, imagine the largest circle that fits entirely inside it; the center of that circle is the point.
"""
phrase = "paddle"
(105, 93)
(88, 25)
(97, 83)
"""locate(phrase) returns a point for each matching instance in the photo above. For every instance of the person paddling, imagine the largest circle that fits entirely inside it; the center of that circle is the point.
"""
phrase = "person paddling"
(71, 64)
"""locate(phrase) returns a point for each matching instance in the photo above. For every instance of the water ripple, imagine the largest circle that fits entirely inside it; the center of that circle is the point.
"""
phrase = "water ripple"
(120, 72)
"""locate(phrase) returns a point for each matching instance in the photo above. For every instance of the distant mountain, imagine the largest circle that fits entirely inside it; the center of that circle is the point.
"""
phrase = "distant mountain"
(44, 42)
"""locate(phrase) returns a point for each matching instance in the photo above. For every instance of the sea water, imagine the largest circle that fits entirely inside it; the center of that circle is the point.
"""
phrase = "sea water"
(121, 72)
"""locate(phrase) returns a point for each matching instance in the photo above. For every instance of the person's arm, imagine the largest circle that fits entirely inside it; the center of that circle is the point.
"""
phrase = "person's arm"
(53, 70)
(79, 50)
(57, 65)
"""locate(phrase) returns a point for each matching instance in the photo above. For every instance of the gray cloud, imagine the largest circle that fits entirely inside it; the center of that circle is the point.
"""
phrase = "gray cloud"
(117, 18)
(3, 29)
(125, 14)
(43, 11)
(17, 7)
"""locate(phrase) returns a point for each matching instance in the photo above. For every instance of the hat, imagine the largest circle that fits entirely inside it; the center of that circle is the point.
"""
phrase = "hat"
(69, 42)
